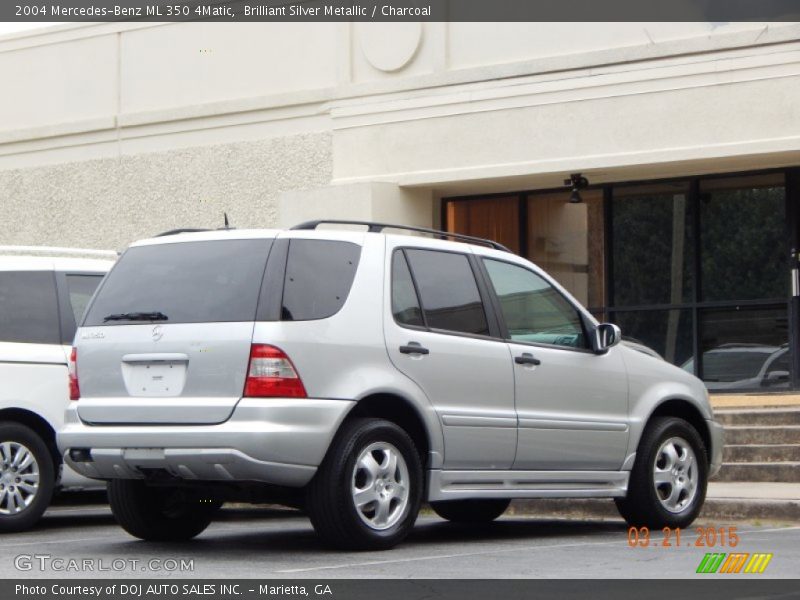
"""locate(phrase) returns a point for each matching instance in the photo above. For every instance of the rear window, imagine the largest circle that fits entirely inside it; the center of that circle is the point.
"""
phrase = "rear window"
(28, 308)
(188, 282)
(319, 274)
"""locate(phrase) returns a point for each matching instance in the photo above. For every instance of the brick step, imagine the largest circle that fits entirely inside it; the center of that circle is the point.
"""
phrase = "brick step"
(737, 435)
(787, 472)
(761, 453)
(752, 417)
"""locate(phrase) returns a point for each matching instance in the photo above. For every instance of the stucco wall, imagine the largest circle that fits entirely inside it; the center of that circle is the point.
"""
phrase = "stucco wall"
(108, 203)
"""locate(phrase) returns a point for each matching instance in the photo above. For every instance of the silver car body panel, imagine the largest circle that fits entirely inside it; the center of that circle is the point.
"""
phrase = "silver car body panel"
(567, 428)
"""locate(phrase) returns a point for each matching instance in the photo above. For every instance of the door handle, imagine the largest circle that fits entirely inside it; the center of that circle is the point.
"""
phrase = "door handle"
(527, 359)
(414, 348)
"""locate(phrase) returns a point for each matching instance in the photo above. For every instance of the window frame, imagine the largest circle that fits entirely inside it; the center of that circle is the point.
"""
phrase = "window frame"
(488, 309)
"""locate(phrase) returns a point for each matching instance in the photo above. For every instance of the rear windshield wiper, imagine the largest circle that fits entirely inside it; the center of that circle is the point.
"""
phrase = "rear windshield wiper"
(137, 316)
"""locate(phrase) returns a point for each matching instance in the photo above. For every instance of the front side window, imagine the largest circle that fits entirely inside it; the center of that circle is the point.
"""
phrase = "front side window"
(28, 308)
(448, 291)
(534, 311)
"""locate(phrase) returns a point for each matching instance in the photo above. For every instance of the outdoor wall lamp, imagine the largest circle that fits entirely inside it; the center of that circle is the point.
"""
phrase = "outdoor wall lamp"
(578, 182)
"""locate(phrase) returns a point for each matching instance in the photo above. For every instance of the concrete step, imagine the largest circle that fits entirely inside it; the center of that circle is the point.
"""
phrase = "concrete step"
(761, 453)
(787, 472)
(737, 435)
(766, 416)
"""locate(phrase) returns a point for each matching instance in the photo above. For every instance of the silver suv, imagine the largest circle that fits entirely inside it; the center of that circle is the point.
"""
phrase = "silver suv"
(356, 374)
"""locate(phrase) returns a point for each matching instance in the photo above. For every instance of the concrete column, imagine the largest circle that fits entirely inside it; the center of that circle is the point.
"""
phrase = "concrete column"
(381, 202)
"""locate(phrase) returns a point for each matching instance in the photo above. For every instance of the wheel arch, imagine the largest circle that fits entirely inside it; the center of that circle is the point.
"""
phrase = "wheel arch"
(686, 410)
(401, 411)
(39, 425)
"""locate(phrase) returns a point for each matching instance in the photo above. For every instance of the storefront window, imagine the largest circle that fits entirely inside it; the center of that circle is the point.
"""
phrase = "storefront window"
(566, 240)
(696, 270)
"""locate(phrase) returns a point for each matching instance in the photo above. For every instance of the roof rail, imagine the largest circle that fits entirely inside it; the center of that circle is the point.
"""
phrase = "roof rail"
(53, 251)
(373, 227)
(184, 230)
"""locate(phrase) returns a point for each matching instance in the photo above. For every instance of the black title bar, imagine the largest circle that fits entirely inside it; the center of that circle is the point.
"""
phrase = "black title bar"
(402, 10)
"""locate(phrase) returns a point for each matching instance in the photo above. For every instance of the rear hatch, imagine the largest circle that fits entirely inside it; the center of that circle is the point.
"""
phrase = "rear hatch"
(167, 338)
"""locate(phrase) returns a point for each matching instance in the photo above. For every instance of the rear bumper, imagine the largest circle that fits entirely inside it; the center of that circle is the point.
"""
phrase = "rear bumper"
(717, 435)
(277, 440)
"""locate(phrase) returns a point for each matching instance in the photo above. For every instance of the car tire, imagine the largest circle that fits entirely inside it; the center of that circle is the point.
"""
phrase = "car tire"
(472, 510)
(667, 485)
(159, 514)
(367, 491)
(22, 445)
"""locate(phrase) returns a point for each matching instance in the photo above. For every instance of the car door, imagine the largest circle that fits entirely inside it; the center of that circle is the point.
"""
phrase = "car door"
(572, 404)
(439, 334)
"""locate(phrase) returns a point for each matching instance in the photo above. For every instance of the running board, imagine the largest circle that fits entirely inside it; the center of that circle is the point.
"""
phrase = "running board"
(454, 485)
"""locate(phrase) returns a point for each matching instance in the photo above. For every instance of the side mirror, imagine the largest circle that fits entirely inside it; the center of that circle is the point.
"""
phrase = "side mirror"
(775, 378)
(606, 335)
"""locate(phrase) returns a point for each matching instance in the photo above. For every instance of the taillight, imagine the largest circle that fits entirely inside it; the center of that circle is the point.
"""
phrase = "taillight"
(272, 374)
(74, 388)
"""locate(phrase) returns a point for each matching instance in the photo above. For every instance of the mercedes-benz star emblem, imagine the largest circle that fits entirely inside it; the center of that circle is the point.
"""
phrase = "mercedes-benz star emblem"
(158, 333)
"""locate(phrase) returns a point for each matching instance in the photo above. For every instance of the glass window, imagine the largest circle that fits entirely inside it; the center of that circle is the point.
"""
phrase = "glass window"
(740, 346)
(490, 218)
(319, 275)
(667, 332)
(534, 311)
(448, 291)
(742, 229)
(28, 308)
(567, 241)
(189, 282)
(653, 250)
(405, 304)
(81, 288)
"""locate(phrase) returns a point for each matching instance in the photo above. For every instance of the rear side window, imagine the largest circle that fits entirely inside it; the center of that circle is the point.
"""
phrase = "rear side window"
(319, 275)
(448, 291)
(81, 288)
(28, 308)
(188, 282)
(405, 304)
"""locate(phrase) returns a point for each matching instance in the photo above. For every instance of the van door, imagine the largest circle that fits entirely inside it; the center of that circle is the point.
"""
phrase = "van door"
(440, 336)
(167, 337)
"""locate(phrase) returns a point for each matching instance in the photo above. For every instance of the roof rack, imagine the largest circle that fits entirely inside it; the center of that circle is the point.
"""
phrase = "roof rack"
(373, 227)
(184, 230)
(53, 251)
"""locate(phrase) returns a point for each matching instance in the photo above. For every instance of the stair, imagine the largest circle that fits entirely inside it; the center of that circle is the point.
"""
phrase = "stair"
(760, 445)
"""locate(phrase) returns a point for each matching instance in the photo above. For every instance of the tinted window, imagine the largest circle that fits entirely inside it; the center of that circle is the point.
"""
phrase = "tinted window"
(81, 288)
(448, 291)
(319, 274)
(28, 308)
(534, 311)
(191, 282)
(405, 304)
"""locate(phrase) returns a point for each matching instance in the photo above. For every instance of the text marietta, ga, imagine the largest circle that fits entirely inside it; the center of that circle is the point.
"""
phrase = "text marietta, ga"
(355, 10)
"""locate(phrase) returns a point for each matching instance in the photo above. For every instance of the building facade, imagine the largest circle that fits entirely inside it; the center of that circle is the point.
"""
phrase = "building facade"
(688, 135)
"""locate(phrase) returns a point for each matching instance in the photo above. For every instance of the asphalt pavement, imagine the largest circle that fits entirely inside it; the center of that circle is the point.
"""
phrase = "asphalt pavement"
(83, 541)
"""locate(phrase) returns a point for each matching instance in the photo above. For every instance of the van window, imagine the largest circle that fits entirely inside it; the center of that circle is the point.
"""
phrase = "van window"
(28, 307)
(81, 288)
(448, 291)
(187, 282)
(319, 275)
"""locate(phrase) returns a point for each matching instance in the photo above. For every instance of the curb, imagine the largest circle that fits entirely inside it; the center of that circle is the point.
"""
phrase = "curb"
(714, 508)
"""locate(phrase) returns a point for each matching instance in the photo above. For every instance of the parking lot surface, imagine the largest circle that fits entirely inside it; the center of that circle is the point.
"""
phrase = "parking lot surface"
(83, 541)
